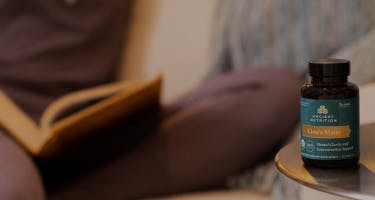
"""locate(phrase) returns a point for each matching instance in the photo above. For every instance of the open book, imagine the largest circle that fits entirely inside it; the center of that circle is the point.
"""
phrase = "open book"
(76, 114)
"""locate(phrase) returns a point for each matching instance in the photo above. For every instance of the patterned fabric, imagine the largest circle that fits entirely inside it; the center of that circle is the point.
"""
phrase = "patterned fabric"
(266, 179)
(362, 59)
(286, 32)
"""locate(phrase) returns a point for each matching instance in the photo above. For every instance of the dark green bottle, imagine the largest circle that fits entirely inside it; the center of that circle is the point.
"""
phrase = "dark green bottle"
(329, 116)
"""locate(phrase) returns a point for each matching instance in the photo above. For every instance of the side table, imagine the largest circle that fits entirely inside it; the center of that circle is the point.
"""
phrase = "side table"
(355, 183)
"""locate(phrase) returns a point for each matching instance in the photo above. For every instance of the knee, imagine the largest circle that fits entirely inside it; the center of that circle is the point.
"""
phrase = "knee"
(19, 176)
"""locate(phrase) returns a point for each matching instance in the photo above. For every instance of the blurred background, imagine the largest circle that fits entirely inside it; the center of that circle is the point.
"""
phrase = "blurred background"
(173, 37)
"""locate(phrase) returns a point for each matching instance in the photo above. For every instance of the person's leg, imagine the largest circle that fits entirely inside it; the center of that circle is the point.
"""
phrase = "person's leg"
(19, 178)
(226, 125)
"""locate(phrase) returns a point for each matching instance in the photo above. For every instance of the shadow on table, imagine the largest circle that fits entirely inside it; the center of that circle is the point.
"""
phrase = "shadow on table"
(359, 179)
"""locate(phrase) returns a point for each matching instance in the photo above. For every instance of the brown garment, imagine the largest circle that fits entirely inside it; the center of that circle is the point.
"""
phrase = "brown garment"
(227, 124)
(20, 178)
(49, 48)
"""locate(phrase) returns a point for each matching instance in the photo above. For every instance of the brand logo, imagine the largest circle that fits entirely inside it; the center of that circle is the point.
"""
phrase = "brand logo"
(322, 110)
(322, 116)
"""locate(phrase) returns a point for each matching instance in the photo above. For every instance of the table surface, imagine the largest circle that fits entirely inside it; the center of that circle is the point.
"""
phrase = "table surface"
(356, 183)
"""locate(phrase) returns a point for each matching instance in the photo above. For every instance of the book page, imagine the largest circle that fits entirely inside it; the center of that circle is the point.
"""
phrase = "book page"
(19, 125)
(78, 100)
(125, 101)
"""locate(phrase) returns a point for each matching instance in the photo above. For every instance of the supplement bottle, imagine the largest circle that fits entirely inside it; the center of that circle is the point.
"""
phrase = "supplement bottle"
(329, 116)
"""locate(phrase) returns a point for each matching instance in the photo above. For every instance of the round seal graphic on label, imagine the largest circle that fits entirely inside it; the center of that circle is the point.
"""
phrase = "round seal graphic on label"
(310, 146)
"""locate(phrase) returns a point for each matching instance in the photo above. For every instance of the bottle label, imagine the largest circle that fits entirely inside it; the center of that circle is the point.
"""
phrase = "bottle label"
(329, 129)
